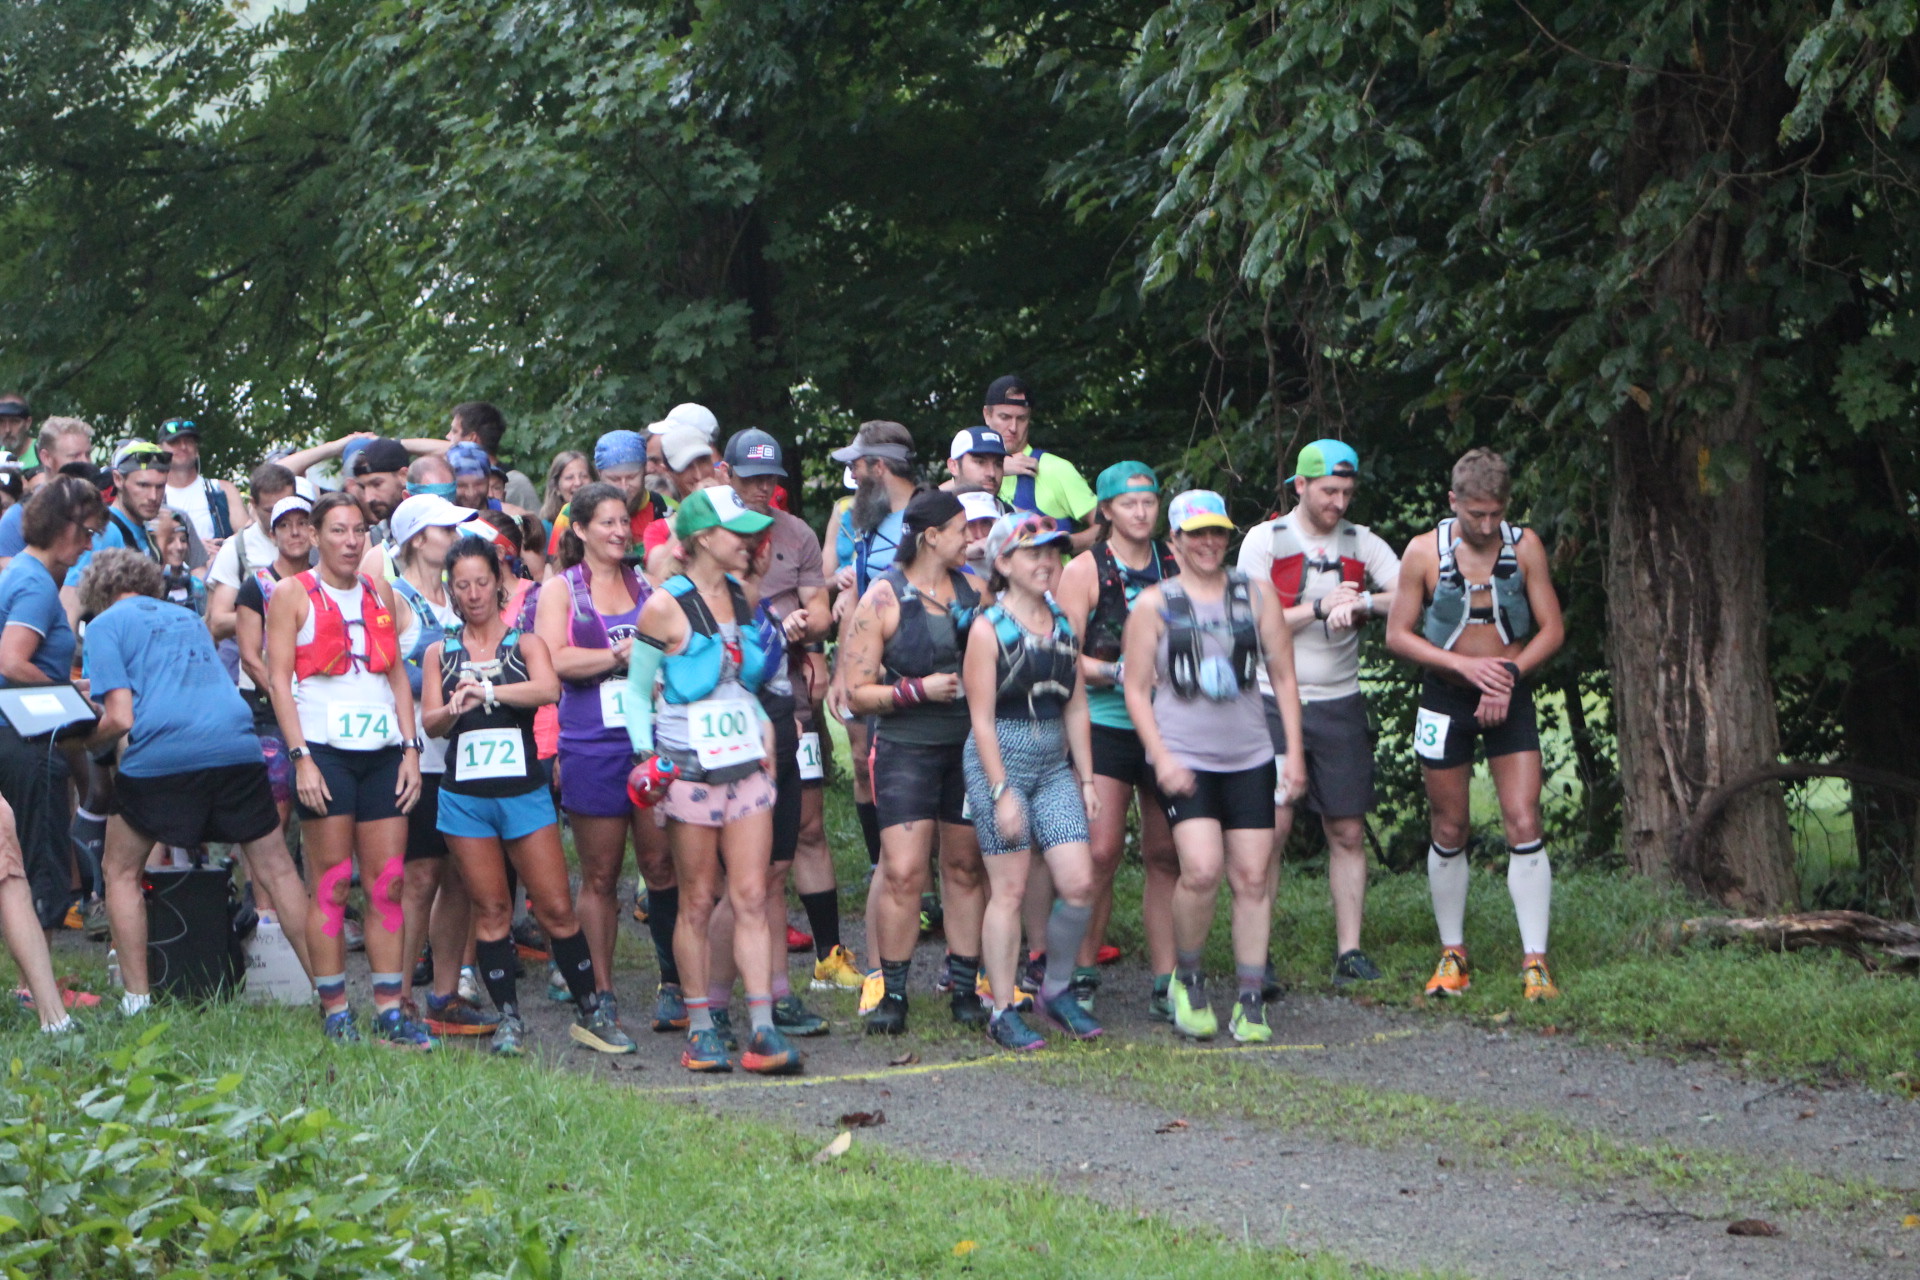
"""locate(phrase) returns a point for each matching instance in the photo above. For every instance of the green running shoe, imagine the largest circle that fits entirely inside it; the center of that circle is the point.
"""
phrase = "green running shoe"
(704, 1052)
(723, 1027)
(1159, 1007)
(794, 1018)
(1197, 1023)
(597, 1027)
(507, 1036)
(1248, 1022)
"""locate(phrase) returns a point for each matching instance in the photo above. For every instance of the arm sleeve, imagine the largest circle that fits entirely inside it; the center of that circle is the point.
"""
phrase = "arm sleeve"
(644, 661)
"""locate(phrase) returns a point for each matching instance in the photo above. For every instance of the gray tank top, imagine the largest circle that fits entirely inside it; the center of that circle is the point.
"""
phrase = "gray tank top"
(1203, 733)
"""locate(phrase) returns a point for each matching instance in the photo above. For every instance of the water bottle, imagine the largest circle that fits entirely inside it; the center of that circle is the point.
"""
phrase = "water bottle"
(113, 968)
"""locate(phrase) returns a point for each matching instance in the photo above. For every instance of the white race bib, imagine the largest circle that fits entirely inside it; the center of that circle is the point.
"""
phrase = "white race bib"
(359, 726)
(810, 770)
(490, 753)
(1430, 734)
(724, 731)
(613, 703)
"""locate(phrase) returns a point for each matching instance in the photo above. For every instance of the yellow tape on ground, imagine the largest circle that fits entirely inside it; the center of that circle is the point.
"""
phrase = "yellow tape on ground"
(925, 1068)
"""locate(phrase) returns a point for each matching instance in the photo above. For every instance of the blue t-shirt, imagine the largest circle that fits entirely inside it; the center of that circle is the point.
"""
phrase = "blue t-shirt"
(187, 714)
(13, 538)
(115, 535)
(30, 598)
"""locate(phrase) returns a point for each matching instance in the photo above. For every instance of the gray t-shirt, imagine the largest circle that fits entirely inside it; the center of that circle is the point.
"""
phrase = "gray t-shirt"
(1326, 662)
(1205, 734)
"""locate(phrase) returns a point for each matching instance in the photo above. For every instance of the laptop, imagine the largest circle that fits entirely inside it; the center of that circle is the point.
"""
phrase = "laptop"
(37, 711)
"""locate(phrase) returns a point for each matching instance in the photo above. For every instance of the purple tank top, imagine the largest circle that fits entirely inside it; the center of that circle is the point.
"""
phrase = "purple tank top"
(585, 707)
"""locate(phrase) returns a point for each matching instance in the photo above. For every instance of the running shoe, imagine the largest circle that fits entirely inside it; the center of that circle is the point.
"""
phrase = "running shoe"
(1010, 1031)
(1354, 966)
(797, 941)
(943, 980)
(1072, 1017)
(340, 1027)
(1198, 1023)
(557, 989)
(1159, 1007)
(932, 915)
(1108, 954)
(640, 906)
(969, 1010)
(455, 1015)
(1270, 988)
(469, 986)
(530, 940)
(704, 1052)
(1085, 985)
(598, 1028)
(669, 1008)
(872, 988)
(1035, 972)
(76, 917)
(837, 972)
(1248, 1022)
(98, 927)
(1450, 976)
(889, 1017)
(507, 1037)
(795, 1019)
(423, 967)
(1539, 982)
(68, 996)
(723, 1027)
(769, 1054)
(396, 1030)
(1022, 998)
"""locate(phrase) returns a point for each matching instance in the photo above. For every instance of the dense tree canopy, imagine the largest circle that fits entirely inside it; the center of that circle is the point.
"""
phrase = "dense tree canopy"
(1661, 253)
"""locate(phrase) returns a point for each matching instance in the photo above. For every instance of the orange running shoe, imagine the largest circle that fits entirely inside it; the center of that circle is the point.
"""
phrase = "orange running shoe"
(1539, 982)
(1450, 976)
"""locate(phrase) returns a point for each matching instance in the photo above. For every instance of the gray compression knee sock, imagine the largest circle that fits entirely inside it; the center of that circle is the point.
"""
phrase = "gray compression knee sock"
(1066, 925)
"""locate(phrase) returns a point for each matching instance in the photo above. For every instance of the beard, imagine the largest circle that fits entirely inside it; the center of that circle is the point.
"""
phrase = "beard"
(871, 504)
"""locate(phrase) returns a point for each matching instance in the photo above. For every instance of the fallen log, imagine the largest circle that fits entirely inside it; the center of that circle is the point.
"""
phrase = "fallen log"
(1874, 942)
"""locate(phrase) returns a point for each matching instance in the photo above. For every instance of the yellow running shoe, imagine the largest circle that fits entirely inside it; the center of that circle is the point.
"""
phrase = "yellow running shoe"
(872, 988)
(76, 917)
(1194, 1022)
(1248, 1023)
(1022, 998)
(837, 972)
(1450, 975)
(1539, 982)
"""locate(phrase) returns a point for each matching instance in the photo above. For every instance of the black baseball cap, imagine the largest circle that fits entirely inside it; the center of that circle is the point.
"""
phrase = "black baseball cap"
(14, 407)
(753, 453)
(174, 428)
(380, 454)
(1010, 389)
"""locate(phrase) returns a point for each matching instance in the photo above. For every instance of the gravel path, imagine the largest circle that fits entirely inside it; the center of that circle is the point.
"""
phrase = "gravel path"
(1415, 1205)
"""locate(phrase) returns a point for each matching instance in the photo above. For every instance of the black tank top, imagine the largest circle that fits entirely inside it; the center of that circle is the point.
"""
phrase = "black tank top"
(489, 753)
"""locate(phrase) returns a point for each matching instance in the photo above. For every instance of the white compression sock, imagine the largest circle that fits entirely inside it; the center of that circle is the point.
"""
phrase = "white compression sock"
(1530, 881)
(1447, 880)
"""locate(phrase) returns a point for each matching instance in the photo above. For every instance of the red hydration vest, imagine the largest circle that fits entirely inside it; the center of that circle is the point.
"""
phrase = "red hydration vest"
(330, 652)
(1290, 560)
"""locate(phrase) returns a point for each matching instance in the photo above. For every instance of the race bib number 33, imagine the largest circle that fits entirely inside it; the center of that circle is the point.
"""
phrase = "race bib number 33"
(490, 753)
(359, 726)
(1430, 734)
(724, 731)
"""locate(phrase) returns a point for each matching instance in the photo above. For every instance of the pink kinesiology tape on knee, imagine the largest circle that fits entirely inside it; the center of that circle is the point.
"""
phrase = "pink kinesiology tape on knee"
(329, 889)
(386, 895)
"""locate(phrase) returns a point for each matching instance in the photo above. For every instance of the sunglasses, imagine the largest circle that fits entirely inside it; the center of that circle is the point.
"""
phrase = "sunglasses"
(162, 457)
(179, 426)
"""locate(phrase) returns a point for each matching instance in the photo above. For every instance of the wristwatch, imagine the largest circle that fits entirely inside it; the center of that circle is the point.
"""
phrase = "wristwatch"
(999, 789)
(297, 754)
(414, 745)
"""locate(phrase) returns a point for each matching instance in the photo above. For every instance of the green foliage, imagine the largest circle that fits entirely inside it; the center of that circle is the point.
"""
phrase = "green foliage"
(129, 1168)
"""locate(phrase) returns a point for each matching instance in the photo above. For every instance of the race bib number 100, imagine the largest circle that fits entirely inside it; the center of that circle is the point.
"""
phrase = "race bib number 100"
(613, 703)
(358, 726)
(724, 731)
(490, 753)
(1430, 734)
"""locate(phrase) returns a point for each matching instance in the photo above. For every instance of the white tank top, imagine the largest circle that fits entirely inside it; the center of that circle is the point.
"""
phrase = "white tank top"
(345, 710)
(192, 503)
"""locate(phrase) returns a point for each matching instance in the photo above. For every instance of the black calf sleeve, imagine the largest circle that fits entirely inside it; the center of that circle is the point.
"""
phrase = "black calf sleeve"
(663, 912)
(496, 970)
(576, 965)
(870, 829)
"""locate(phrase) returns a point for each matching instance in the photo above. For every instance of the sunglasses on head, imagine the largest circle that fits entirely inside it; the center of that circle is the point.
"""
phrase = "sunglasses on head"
(180, 426)
(161, 457)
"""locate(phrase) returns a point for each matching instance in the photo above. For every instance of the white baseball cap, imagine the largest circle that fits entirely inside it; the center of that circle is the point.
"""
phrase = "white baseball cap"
(422, 511)
(292, 502)
(979, 505)
(681, 444)
(697, 416)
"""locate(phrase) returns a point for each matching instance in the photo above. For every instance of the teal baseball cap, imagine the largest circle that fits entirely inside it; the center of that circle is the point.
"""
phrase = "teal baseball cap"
(1325, 458)
(1125, 477)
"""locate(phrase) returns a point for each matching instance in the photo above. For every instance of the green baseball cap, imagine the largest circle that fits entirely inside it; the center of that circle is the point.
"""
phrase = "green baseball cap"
(1325, 458)
(1125, 477)
(716, 508)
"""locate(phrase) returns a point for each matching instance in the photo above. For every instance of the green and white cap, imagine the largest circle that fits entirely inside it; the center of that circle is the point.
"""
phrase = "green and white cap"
(718, 507)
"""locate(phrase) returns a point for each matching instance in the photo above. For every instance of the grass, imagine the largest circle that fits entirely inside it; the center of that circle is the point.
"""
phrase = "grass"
(1248, 1086)
(1808, 1015)
(646, 1187)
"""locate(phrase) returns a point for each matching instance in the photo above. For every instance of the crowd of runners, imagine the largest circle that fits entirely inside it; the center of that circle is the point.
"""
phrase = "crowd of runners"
(440, 667)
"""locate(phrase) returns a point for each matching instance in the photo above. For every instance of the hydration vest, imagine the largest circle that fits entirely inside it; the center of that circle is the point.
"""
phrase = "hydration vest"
(1107, 624)
(131, 540)
(864, 547)
(911, 652)
(694, 672)
(1185, 651)
(1030, 667)
(1289, 572)
(430, 630)
(1024, 497)
(1447, 612)
(330, 652)
(506, 667)
(586, 629)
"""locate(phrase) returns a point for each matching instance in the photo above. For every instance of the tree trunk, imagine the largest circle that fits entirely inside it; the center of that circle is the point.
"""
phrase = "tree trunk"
(1685, 576)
